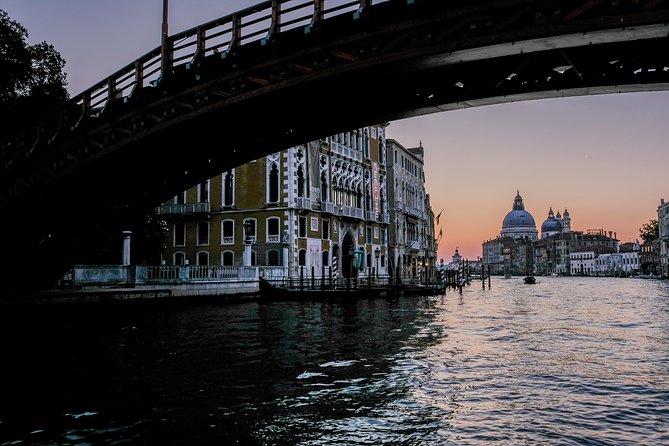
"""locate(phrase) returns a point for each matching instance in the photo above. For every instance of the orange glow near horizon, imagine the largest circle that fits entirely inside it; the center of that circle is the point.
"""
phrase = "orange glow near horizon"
(603, 158)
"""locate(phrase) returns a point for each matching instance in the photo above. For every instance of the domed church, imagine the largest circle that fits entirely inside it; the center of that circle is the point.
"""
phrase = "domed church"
(555, 224)
(519, 223)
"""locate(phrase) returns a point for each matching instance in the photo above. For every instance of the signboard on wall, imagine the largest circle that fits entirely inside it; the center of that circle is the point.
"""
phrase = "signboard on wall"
(376, 188)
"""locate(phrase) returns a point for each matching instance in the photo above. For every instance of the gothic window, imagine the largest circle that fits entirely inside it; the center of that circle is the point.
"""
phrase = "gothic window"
(228, 258)
(300, 181)
(273, 184)
(324, 187)
(179, 258)
(359, 198)
(203, 258)
(228, 189)
(366, 143)
(273, 230)
(227, 232)
(325, 256)
(302, 258)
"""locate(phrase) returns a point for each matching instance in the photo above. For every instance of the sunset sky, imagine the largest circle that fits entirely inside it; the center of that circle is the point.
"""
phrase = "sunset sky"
(604, 158)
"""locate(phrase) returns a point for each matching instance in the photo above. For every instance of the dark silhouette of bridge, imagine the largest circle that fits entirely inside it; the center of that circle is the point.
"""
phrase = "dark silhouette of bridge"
(285, 72)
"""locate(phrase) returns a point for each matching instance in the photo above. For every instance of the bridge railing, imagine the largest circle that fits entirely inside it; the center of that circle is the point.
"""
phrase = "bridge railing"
(220, 36)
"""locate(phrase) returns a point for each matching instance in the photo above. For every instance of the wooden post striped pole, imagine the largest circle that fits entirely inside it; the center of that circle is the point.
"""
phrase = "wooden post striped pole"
(335, 270)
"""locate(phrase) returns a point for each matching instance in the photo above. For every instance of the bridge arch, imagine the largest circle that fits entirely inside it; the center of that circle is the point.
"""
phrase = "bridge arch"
(109, 152)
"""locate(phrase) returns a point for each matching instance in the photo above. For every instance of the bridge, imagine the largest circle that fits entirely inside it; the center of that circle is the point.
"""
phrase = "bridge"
(287, 71)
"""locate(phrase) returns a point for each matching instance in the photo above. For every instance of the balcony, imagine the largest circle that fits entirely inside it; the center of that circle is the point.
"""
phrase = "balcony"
(349, 211)
(370, 216)
(274, 239)
(303, 203)
(327, 207)
(345, 151)
(413, 211)
(182, 209)
(414, 245)
(384, 218)
(399, 207)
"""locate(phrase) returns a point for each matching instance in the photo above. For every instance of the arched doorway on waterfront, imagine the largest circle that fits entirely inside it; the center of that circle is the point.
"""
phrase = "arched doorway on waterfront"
(347, 257)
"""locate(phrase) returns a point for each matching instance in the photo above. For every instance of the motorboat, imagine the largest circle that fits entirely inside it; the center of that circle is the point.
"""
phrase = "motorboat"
(530, 279)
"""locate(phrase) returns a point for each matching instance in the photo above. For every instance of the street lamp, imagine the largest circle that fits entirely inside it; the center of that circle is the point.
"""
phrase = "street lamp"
(248, 231)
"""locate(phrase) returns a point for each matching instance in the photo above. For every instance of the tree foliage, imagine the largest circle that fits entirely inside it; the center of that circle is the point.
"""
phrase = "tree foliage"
(32, 80)
(649, 231)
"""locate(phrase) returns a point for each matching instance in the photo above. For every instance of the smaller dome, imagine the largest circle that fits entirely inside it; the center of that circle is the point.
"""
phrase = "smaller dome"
(551, 225)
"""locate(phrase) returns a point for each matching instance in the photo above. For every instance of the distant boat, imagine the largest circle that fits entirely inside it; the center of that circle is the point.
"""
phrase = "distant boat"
(530, 279)
(647, 276)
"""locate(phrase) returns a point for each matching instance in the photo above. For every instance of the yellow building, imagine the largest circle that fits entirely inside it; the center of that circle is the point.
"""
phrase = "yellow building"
(307, 206)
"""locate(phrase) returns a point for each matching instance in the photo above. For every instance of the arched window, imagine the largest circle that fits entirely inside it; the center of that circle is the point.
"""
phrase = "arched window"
(273, 258)
(228, 188)
(272, 224)
(180, 198)
(227, 232)
(179, 258)
(383, 260)
(325, 256)
(228, 258)
(324, 187)
(302, 258)
(203, 192)
(203, 258)
(203, 233)
(300, 181)
(254, 262)
(273, 184)
(179, 234)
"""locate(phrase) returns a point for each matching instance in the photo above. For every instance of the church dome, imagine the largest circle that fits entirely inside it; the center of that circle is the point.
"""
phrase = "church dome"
(551, 225)
(519, 223)
(518, 218)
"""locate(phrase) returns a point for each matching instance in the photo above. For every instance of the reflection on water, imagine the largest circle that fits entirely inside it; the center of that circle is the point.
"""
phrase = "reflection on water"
(565, 361)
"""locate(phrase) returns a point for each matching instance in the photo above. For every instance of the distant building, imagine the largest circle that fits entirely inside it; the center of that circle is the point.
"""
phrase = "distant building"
(556, 224)
(511, 252)
(411, 240)
(663, 226)
(519, 223)
(560, 250)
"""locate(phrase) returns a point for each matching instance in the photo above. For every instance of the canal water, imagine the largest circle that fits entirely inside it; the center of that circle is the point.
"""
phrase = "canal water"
(568, 361)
